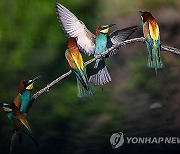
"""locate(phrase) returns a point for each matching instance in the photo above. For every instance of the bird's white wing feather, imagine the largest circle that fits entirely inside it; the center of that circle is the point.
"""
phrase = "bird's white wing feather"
(73, 27)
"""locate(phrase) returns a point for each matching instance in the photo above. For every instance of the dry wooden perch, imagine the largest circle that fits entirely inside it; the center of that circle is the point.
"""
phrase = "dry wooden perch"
(141, 39)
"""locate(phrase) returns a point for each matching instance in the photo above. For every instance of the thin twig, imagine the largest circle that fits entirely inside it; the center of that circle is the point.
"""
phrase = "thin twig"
(116, 46)
(40, 92)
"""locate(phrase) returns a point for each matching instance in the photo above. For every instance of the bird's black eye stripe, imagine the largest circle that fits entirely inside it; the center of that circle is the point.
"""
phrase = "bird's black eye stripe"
(28, 82)
(104, 27)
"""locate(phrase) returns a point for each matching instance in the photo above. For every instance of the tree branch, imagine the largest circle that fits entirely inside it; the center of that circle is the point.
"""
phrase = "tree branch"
(116, 46)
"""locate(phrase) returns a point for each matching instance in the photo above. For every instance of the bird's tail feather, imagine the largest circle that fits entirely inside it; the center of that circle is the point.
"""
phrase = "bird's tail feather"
(35, 141)
(82, 92)
(29, 134)
(155, 61)
(100, 75)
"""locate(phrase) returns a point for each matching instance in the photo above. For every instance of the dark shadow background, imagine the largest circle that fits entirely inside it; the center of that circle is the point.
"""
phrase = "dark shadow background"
(136, 102)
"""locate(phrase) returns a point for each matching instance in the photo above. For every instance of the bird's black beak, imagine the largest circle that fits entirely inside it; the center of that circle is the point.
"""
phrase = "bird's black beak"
(111, 25)
(35, 78)
(29, 84)
(141, 12)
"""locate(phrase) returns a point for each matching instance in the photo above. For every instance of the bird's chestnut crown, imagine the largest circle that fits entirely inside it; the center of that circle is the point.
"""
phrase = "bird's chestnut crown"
(104, 29)
(145, 16)
(71, 43)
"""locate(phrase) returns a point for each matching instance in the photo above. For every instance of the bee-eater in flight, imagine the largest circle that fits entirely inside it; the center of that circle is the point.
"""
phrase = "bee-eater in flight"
(93, 44)
(76, 63)
(16, 110)
(152, 36)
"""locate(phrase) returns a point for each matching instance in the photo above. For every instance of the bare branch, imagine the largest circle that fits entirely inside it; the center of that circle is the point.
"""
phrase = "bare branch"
(40, 92)
(170, 49)
(141, 39)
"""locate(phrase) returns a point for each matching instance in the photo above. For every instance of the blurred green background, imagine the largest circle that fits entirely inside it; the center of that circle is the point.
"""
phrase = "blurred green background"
(136, 102)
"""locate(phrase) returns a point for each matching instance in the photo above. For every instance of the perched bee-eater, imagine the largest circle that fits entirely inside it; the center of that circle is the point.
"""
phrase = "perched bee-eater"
(22, 100)
(76, 63)
(90, 43)
(152, 36)
(103, 41)
(16, 110)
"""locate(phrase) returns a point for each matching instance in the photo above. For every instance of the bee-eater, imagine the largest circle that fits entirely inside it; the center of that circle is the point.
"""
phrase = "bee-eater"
(22, 100)
(76, 63)
(103, 41)
(18, 119)
(90, 43)
(16, 110)
(152, 36)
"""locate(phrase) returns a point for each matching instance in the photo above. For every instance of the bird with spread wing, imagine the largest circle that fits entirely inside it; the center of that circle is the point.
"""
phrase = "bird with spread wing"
(90, 43)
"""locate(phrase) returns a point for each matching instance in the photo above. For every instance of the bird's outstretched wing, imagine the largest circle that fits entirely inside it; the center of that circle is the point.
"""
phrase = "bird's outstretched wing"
(119, 36)
(73, 27)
